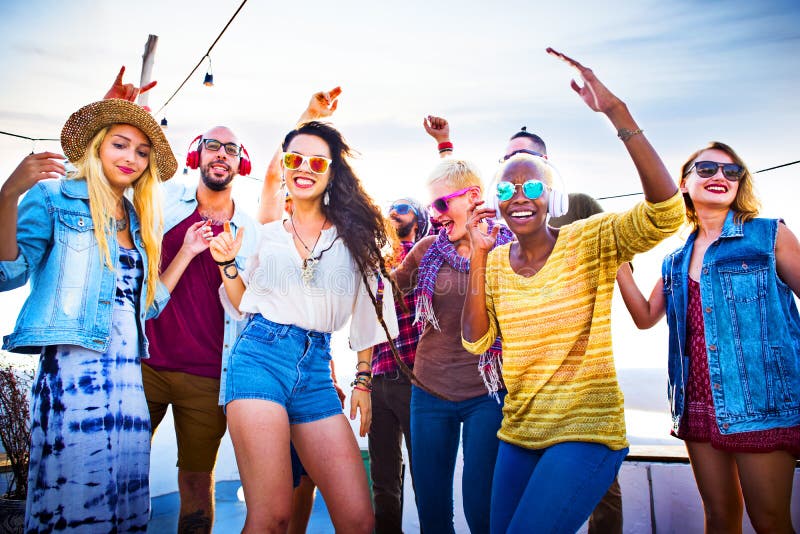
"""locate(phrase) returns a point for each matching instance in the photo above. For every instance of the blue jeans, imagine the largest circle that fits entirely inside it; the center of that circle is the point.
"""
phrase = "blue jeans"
(554, 489)
(435, 432)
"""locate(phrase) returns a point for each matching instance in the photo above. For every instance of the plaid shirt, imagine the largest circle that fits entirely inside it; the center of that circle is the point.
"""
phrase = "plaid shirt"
(406, 342)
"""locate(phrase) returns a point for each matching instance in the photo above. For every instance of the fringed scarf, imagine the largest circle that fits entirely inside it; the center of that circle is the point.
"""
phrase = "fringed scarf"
(442, 250)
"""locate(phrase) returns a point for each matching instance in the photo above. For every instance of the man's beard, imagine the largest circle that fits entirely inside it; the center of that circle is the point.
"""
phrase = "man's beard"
(214, 184)
(405, 230)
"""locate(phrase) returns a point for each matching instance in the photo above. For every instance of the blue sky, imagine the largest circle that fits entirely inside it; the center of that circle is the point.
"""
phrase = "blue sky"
(689, 71)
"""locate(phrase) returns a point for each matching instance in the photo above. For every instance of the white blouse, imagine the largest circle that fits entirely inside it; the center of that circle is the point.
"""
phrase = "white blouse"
(335, 293)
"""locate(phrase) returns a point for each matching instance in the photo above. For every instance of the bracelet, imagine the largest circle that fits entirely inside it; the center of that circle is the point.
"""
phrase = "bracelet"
(230, 266)
(359, 382)
(368, 374)
(224, 263)
(445, 146)
(360, 388)
(365, 363)
(625, 133)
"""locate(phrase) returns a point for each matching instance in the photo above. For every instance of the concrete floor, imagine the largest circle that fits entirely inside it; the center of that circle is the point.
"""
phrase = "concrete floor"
(230, 512)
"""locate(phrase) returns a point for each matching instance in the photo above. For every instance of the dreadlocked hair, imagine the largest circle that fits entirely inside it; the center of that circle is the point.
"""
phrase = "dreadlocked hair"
(358, 221)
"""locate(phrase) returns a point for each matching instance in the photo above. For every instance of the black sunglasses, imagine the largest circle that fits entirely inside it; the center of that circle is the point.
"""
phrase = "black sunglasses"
(232, 149)
(707, 169)
(521, 151)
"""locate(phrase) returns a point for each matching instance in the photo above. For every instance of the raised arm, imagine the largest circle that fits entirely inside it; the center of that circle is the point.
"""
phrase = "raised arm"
(657, 184)
(787, 257)
(439, 129)
(475, 320)
(270, 208)
(31, 170)
(645, 313)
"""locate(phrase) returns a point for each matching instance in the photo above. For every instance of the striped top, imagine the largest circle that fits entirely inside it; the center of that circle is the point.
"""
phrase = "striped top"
(556, 328)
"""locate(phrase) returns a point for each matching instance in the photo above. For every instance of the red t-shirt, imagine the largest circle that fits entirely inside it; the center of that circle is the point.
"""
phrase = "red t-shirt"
(189, 333)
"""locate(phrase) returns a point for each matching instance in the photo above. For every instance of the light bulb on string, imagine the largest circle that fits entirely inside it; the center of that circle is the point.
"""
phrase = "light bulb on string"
(208, 81)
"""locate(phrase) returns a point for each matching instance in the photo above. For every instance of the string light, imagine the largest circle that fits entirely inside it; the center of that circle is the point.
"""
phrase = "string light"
(208, 81)
(202, 58)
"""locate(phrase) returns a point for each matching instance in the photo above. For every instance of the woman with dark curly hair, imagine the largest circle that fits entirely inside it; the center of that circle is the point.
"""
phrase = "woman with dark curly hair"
(311, 274)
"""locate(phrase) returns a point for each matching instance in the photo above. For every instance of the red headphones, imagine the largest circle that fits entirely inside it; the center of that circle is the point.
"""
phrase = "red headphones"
(193, 158)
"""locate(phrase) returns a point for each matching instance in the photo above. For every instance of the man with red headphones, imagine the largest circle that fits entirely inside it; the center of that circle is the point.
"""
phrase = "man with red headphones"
(192, 339)
(189, 343)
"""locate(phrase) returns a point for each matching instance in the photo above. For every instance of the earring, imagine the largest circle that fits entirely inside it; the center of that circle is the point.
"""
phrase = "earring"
(326, 198)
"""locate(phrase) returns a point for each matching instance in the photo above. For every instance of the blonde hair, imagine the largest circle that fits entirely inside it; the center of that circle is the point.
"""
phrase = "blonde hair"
(102, 204)
(456, 173)
(746, 204)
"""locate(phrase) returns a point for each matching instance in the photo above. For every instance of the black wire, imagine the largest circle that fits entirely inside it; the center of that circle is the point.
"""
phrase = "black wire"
(777, 167)
(28, 138)
(201, 59)
(756, 172)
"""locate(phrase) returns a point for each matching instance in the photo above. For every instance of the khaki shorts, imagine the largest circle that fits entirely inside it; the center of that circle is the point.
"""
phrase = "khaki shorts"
(199, 419)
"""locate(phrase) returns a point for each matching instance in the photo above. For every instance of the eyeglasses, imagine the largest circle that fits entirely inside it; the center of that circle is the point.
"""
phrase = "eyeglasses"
(521, 151)
(232, 149)
(403, 209)
(707, 169)
(532, 189)
(317, 164)
(442, 204)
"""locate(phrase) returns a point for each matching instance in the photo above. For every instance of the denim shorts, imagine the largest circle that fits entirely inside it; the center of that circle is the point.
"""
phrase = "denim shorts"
(284, 364)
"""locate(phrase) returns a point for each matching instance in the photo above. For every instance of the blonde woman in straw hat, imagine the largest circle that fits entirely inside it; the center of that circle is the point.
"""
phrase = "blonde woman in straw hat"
(92, 257)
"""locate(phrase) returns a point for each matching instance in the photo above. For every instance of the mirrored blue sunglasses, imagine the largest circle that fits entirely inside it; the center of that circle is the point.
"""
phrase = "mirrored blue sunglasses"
(532, 189)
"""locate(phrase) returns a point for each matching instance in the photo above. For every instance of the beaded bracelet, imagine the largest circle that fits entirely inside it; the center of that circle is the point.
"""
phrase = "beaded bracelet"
(362, 380)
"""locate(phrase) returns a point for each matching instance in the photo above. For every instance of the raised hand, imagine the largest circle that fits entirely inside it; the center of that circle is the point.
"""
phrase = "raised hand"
(437, 127)
(322, 104)
(197, 237)
(32, 169)
(481, 243)
(594, 93)
(126, 91)
(224, 247)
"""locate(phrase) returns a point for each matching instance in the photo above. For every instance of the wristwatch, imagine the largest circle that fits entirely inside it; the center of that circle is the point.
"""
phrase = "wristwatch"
(230, 271)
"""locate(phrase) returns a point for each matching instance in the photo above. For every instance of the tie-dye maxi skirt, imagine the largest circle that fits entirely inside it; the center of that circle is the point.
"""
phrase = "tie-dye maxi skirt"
(90, 437)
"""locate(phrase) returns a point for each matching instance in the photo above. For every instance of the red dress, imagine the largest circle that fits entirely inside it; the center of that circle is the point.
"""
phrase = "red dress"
(699, 421)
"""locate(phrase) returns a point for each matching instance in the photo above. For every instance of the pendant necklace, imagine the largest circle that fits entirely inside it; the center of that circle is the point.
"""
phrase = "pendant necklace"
(122, 224)
(310, 262)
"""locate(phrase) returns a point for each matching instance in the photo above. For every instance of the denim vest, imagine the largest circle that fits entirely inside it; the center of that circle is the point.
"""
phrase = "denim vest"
(180, 201)
(72, 289)
(752, 329)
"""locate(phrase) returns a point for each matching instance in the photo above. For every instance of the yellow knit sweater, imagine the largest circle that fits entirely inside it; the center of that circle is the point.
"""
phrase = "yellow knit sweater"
(556, 328)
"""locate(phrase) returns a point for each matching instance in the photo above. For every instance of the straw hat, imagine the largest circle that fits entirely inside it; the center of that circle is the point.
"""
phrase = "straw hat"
(82, 126)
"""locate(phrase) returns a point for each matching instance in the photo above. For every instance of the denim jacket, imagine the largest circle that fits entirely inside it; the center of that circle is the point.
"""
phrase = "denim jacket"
(752, 329)
(180, 201)
(72, 289)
